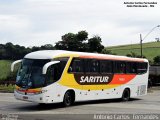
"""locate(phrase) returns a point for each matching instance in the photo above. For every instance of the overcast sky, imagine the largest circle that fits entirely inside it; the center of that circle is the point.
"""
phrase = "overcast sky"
(39, 22)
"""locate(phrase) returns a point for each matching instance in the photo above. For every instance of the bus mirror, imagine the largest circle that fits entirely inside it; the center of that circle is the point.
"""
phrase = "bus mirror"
(13, 64)
(45, 67)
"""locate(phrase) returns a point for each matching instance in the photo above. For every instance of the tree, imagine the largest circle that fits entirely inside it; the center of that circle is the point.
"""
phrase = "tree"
(72, 42)
(135, 55)
(156, 59)
(132, 54)
(9, 47)
(94, 44)
(47, 47)
(2, 51)
(35, 48)
(82, 36)
(80, 42)
(9, 51)
(105, 51)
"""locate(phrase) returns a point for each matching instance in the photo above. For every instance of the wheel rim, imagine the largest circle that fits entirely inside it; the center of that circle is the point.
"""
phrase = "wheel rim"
(126, 95)
(68, 99)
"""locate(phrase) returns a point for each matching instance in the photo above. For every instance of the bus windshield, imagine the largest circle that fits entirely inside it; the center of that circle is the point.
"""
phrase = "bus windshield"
(30, 74)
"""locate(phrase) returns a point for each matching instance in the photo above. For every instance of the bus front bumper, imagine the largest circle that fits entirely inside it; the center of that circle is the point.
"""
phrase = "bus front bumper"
(38, 98)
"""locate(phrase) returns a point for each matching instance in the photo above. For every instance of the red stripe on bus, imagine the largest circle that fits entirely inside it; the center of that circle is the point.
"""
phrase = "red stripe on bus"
(122, 78)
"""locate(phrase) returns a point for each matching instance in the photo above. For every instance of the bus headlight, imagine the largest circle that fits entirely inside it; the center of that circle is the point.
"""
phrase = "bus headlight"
(43, 91)
(40, 92)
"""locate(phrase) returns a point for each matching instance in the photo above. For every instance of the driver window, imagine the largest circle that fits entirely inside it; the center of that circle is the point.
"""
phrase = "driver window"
(53, 74)
(55, 71)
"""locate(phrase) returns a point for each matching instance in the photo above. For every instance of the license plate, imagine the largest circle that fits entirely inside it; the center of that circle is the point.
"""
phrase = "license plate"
(25, 97)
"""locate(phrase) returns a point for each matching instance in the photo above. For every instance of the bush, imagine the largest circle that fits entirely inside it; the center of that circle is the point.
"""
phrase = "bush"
(156, 60)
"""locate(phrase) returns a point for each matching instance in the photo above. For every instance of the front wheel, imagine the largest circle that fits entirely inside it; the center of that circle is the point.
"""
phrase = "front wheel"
(126, 95)
(67, 100)
(41, 104)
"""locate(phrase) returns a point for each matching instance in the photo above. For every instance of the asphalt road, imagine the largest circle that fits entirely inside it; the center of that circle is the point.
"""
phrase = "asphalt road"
(21, 110)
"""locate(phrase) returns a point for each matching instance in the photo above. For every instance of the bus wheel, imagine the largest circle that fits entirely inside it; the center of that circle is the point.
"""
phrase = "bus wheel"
(68, 99)
(41, 104)
(149, 83)
(126, 95)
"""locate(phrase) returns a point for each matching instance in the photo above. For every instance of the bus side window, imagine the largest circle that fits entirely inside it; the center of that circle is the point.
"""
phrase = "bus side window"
(119, 67)
(91, 65)
(54, 72)
(142, 68)
(131, 67)
(49, 76)
(87, 65)
(76, 66)
(94, 66)
(106, 66)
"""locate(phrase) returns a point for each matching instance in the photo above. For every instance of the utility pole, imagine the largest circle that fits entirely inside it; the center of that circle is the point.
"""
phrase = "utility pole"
(141, 39)
(141, 45)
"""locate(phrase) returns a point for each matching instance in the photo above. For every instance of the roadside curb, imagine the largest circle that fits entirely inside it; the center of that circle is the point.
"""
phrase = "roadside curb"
(4, 91)
(155, 88)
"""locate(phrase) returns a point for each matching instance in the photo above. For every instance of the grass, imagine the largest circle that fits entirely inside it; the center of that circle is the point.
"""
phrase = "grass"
(4, 75)
(150, 49)
(5, 69)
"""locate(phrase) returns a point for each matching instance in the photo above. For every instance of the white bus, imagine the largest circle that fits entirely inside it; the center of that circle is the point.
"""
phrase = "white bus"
(52, 76)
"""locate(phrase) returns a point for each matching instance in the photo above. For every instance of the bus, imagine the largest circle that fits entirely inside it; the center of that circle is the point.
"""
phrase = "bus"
(54, 76)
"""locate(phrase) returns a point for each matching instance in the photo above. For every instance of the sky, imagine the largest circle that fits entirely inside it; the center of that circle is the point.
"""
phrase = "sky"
(38, 22)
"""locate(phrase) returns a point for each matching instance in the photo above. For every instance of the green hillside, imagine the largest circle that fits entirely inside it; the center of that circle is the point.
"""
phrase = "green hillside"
(5, 70)
(150, 49)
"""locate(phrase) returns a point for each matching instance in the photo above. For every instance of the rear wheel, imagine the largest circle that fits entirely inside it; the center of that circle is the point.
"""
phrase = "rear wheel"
(149, 83)
(126, 95)
(68, 99)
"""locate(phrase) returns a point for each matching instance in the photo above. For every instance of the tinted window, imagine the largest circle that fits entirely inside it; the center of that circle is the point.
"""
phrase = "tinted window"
(76, 65)
(91, 65)
(142, 68)
(131, 67)
(62, 64)
(30, 75)
(120, 67)
(106, 66)
(94, 66)
(54, 72)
